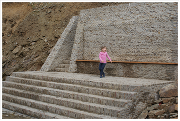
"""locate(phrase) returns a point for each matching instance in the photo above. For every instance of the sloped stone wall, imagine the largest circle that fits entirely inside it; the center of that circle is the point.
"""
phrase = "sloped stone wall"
(62, 49)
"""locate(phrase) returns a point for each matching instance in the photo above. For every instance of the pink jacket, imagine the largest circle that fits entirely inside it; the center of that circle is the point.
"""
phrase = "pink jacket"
(102, 56)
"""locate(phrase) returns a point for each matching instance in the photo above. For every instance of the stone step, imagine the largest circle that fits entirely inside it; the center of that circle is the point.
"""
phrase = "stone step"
(57, 109)
(61, 69)
(91, 99)
(31, 111)
(118, 83)
(63, 86)
(72, 95)
(73, 88)
(84, 106)
(65, 61)
(63, 66)
(86, 93)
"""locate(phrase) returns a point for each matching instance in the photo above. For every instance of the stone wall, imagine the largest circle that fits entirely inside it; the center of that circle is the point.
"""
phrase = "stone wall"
(140, 32)
(143, 32)
(150, 71)
(77, 50)
(62, 49)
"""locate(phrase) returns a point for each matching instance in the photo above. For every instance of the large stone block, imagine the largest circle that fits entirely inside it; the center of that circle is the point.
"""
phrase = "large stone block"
(170, 100)
(171, 109)
(170, 90)
(156, 112)
(176, 107)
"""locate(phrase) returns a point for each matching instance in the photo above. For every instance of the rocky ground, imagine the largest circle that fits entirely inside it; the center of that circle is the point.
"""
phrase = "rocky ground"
(30, 31)
(164, 105)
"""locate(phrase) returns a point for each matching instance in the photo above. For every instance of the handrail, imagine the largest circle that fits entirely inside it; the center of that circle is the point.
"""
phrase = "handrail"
(128, 62)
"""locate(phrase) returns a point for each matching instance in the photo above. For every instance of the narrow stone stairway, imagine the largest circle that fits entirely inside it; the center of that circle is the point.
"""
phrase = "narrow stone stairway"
(63, 67)
(64, 95)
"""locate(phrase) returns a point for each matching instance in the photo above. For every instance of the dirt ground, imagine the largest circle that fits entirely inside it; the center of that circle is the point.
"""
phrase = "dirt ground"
(30, 31)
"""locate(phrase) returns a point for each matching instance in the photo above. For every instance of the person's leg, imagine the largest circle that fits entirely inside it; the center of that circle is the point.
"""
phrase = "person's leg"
(100, 69)
(103, 74)
(103, 66)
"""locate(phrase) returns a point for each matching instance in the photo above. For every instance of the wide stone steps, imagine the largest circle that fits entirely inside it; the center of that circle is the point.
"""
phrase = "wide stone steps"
(61, 69)
(92, 98)
(64, 104)
(63, 66)
(77, 80)
(65, 61)
(56, 109)
(73, 95)
(66, 93)
(31, 111)
(75, 88)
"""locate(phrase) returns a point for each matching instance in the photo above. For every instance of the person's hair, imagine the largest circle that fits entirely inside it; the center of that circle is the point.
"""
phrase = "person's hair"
(103, 47)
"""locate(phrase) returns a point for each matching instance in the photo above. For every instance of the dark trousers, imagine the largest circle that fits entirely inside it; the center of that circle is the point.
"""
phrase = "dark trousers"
(101, 68)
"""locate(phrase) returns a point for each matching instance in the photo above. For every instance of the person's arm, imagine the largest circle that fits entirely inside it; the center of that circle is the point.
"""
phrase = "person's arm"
(108, 57)
(100, 57)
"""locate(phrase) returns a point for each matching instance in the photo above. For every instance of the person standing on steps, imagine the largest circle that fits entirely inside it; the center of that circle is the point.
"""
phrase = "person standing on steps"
(102, 56)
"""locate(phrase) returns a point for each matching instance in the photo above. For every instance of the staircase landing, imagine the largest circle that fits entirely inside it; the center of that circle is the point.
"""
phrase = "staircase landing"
(95, 78)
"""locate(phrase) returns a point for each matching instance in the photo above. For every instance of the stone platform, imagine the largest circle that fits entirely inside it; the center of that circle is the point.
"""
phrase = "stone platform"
(75, 95)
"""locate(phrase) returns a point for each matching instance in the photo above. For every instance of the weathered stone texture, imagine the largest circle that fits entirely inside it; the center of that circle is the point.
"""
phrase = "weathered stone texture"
(170, 90)
(77, 95)
(140, 32)
(151, 71)
(145, 32)
(63, 48)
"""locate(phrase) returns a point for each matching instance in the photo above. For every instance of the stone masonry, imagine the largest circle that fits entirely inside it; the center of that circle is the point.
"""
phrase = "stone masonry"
(140, 32)
(143, 32)
(61, 95)
(62, 49)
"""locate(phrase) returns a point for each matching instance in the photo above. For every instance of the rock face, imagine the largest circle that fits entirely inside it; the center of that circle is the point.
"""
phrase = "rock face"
(169, 91)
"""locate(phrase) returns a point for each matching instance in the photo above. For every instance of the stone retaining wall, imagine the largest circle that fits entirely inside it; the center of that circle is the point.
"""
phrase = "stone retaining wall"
(143, 32)
(140, 32)
(150, 71)
(62, 49)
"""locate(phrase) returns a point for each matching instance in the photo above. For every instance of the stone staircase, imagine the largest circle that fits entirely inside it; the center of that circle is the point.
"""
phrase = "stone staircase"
(63, 67)
(63, 95)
